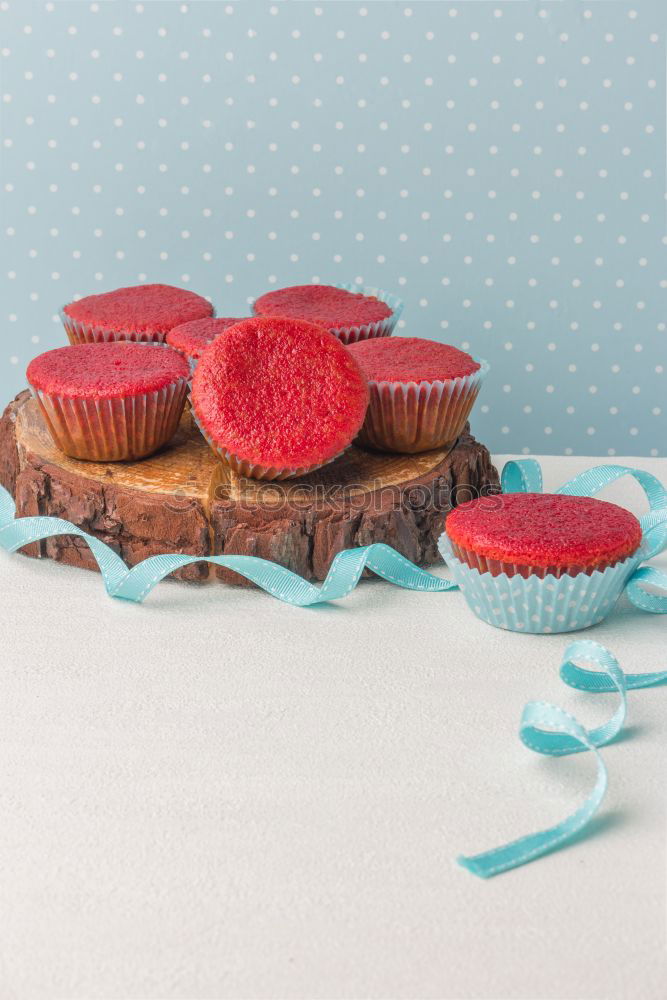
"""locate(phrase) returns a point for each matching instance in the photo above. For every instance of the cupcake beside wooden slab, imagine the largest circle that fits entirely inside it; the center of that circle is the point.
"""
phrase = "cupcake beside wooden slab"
(533, 562)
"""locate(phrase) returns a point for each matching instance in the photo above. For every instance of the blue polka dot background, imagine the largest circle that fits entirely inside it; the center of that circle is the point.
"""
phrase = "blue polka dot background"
(499, 165)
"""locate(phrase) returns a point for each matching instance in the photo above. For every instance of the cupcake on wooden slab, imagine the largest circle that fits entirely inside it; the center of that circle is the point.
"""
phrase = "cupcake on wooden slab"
(110, 402)
(143, 313)
(350, 312)
(191, 339)
(277, 398)
(421, 392)
(533, 562)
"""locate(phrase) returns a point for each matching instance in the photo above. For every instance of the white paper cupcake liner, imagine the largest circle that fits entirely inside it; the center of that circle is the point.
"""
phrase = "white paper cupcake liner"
(383, 327)
(87, 333)
(539, 604)
(113, 430)
(254, 471)
(411, 417)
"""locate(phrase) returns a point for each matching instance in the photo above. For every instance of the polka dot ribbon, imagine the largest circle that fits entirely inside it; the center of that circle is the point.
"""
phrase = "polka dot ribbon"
(544, 728)
(550, 730)
(135, 584)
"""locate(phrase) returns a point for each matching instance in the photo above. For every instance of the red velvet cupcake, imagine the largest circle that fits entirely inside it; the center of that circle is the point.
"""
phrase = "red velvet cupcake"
(351, 313)
(277, 398)
(421, 392)
(110, 402)
(541, 534)
(192, 339)
(144, 313)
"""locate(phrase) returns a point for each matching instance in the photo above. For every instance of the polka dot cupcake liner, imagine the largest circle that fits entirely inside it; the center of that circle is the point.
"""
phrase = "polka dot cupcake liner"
(113, 430)
(536, 604)
(383, 328)
(250, 470)
(411, 417)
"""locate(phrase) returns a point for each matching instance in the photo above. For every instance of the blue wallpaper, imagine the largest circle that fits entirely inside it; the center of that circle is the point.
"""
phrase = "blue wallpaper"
(501, 165)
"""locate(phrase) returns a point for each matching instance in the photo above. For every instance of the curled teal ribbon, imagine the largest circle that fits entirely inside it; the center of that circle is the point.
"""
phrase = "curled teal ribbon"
(548, 729)
(135, 584)
(544, 728)
(525, 475)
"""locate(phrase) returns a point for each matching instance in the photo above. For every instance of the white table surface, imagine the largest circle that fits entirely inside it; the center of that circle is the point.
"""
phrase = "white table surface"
(215, 795)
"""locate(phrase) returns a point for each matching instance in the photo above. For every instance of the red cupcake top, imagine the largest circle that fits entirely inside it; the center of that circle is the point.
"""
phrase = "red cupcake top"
(323, 304)
(107, 370)
(542, 529)
(279, 392)
(411, 359)
(193, 338)
(152, 309)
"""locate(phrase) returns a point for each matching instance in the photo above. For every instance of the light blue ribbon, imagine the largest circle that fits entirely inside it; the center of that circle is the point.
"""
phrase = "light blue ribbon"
(522, 475)
(544, 728)
(136, 583)
(550, 730)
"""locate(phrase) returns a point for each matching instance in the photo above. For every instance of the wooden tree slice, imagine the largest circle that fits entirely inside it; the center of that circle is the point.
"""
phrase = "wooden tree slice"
(183, 499)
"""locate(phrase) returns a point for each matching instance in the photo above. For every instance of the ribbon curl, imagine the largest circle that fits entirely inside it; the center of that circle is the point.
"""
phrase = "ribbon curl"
(135, 584)
(522, 475)
(548, 729)
(544, 728)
